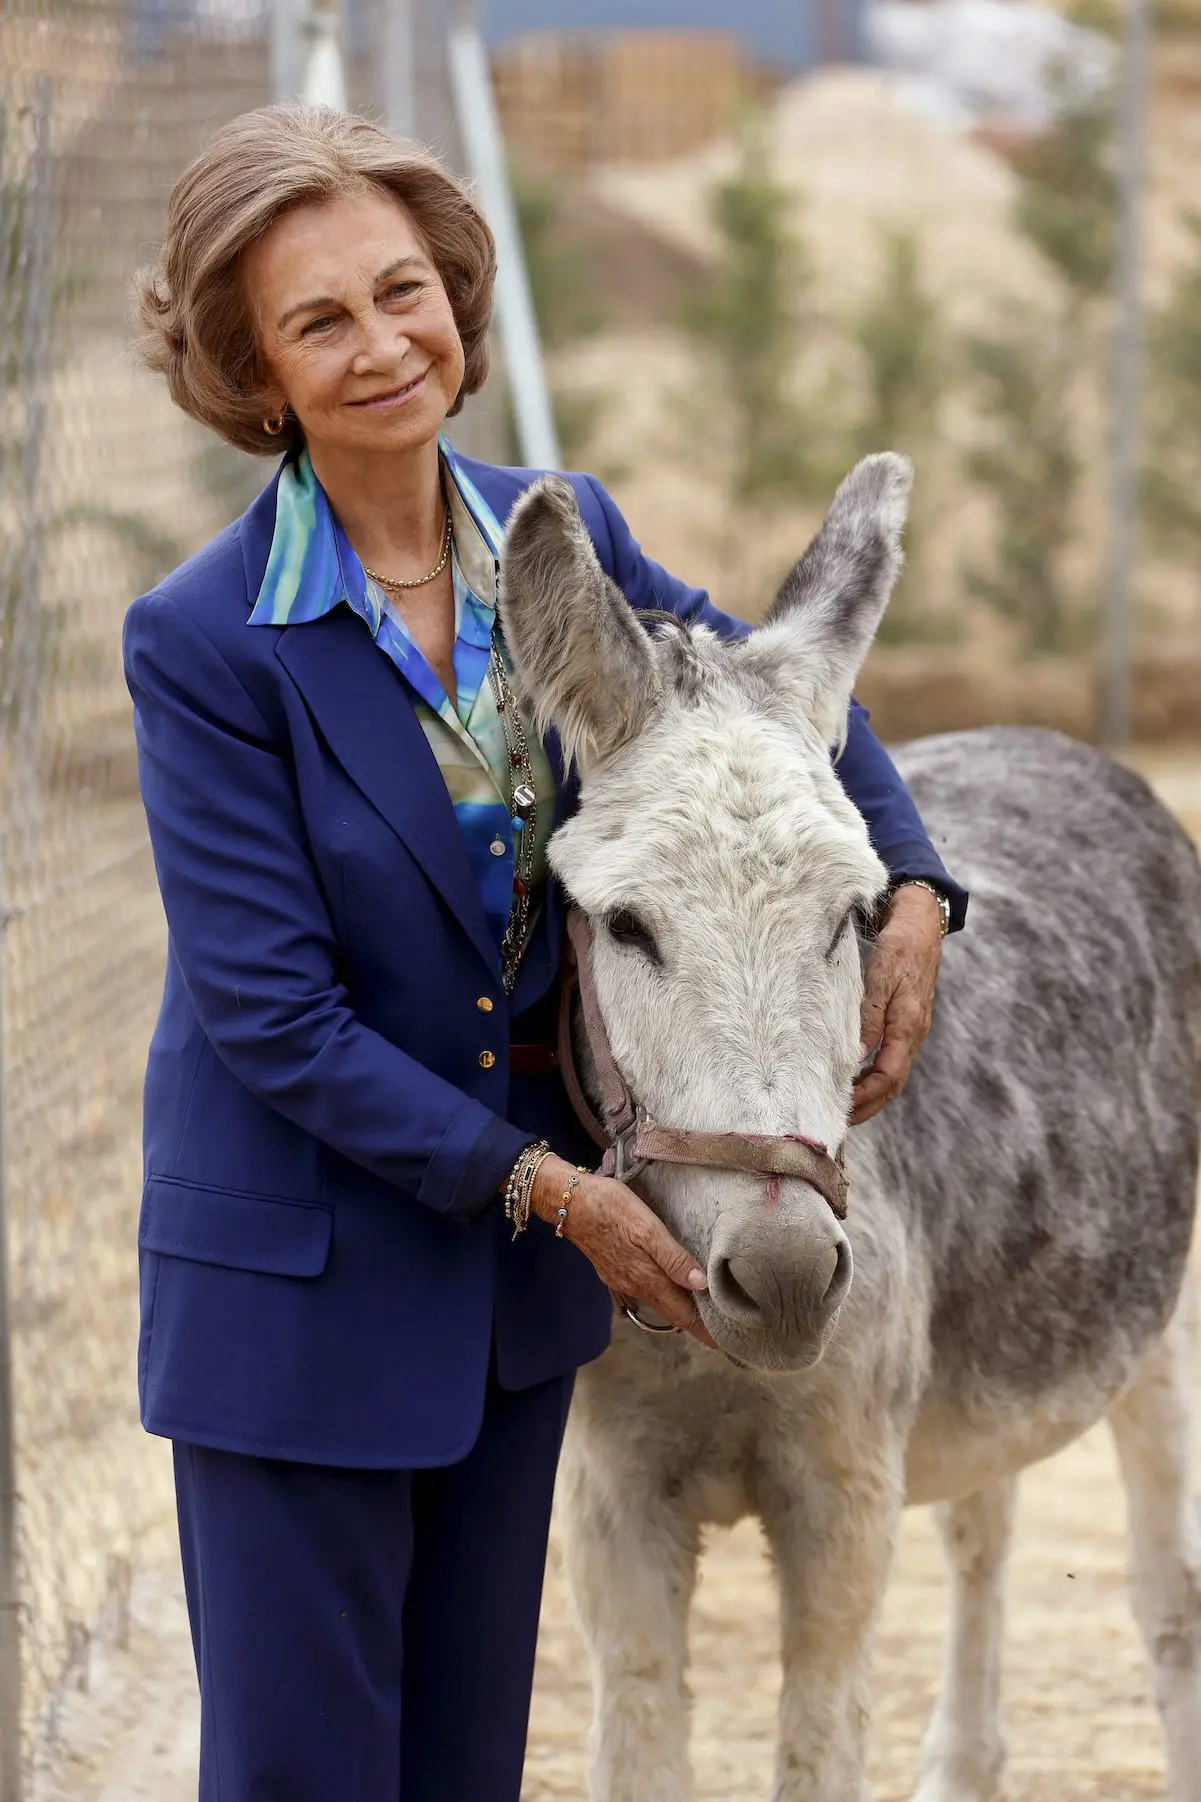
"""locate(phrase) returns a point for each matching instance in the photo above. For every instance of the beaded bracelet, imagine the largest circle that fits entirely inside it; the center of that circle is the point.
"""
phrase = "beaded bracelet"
(565, 1195)
(520, 1187)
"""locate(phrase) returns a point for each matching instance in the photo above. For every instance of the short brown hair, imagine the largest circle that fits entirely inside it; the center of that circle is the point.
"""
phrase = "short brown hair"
(190, 311)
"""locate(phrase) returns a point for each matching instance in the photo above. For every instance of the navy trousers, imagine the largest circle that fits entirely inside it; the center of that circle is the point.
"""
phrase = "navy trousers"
(369, 1636)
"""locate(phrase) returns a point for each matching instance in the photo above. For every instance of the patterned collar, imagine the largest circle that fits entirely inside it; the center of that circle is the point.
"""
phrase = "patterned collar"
(311, 568)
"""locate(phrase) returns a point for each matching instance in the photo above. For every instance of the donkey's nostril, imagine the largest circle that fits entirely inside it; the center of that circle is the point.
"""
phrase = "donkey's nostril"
(779, 1292)
(732, 1283)
(840, 1280)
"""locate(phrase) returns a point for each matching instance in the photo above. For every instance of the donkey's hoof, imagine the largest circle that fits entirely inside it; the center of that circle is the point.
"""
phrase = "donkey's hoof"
(974, 1780)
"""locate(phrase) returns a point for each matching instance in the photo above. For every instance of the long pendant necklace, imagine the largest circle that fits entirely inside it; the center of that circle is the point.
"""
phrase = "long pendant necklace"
(524, 815)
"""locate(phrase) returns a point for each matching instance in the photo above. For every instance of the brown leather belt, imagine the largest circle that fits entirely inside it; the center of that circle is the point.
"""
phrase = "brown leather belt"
(533, 1060)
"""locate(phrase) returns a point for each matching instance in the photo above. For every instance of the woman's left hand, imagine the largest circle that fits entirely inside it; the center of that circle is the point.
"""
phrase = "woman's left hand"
(898, 998)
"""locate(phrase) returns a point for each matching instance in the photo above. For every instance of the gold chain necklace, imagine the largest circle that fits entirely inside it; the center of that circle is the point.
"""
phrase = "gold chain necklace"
(393, 582)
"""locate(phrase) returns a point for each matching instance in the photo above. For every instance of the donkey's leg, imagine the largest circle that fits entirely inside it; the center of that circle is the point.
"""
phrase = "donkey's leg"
(632, 1566)
(1152, 1428)
(832, 1542)
(964, 1749)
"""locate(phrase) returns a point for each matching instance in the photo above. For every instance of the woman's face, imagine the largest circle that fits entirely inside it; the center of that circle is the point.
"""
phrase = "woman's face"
(354, 325)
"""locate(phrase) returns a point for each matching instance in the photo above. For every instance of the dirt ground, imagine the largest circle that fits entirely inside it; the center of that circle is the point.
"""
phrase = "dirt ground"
(1081, 1726)
(1080, 1722)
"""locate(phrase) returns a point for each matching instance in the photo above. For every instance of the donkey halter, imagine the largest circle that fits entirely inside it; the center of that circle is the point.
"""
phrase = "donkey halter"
(631, 1139)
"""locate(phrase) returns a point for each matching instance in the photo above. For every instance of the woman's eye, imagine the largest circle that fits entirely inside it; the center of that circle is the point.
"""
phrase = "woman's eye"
(400, 290)
(625, 926)
(317, 325)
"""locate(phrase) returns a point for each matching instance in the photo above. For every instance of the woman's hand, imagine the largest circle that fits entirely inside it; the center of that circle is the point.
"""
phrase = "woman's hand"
(898, 998)
(627, 1245)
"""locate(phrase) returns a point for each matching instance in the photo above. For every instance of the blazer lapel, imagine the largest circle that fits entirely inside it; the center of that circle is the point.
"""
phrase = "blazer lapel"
(358, 699)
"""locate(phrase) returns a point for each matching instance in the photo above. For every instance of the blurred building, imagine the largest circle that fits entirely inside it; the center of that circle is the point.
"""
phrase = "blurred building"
(569, 99)
(790, 34)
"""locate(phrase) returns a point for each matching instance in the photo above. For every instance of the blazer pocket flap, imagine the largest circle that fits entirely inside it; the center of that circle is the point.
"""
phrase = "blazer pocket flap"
(242, 1232)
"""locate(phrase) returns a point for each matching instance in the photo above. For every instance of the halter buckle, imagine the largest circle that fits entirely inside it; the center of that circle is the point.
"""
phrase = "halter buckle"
(627, 1164)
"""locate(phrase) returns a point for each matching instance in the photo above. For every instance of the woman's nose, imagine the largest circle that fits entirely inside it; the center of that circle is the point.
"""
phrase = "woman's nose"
(382, 345)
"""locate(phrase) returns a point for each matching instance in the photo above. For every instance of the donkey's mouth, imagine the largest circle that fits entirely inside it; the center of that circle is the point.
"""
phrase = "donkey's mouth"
(762, 1351)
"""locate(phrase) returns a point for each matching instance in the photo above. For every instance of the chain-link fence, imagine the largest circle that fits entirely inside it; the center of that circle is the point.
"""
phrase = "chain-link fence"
(103, 487)
(936, 281)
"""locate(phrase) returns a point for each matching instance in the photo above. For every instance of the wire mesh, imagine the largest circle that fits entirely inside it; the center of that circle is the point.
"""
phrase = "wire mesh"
(102, 488)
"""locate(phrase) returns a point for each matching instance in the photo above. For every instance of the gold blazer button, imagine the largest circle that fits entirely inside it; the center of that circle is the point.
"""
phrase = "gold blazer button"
(487, 1059)
(484, 1004)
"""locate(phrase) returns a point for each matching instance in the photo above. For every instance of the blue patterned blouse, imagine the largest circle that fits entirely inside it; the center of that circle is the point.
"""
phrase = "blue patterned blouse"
(312, 569)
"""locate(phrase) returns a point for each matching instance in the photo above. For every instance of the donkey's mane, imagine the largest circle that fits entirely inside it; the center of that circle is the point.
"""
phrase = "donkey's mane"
(688, 669)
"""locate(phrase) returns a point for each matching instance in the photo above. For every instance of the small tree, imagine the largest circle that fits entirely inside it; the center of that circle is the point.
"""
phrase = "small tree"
(1066, 202)
(1030, 466)
(902, 342)
(563, 302)
(1172, 480)
(747, 322)
(1028, 375)
(900, 333)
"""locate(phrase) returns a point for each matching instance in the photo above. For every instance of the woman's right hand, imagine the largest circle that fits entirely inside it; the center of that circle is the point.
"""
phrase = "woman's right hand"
(628, 1246)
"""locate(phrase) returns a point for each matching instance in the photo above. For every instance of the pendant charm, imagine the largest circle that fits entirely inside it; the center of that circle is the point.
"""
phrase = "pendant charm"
(524, 798)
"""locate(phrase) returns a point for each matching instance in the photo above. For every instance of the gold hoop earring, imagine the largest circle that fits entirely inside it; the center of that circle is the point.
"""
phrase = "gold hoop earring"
(274, 424)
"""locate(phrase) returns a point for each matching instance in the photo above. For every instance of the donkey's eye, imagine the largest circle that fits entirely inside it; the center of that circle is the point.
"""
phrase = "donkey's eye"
(849, 919)
(625, 926)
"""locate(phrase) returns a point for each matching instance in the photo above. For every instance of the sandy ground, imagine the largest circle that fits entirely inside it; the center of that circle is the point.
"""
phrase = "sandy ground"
(1081, 1726)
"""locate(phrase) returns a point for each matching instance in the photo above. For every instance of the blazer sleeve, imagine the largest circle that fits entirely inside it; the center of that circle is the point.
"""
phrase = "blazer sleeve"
(253, 939)
(868, 774)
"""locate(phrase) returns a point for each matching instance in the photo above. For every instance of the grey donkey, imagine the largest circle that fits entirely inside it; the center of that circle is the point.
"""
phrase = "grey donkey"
(1013, 1264)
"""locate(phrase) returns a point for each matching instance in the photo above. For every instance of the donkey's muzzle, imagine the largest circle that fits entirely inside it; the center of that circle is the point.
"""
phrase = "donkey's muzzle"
(777, 1281)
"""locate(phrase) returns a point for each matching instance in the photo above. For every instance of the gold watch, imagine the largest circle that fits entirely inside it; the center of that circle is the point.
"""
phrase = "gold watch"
(944, 905)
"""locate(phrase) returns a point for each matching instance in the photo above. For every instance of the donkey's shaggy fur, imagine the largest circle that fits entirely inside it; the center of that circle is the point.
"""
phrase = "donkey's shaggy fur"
(1020, 1218)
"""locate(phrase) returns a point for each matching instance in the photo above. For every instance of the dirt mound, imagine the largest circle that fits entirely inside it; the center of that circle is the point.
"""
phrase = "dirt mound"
(858, 160)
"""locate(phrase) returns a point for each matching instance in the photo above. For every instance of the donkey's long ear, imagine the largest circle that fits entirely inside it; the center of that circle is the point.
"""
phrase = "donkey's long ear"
(820, 626)
(583, 661)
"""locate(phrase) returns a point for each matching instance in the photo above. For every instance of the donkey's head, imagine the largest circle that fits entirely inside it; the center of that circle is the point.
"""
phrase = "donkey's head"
(722, 869)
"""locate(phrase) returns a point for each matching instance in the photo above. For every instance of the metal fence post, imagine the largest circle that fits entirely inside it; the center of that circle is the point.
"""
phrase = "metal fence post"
(398, 76)
(475, 104)
(10, 1616)
(102, 492)
(1115, 711)
(30, 238)
(288, 47)
(10, 1621)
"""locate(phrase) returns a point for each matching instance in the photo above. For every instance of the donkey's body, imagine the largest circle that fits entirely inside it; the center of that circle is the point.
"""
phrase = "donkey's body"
(1021, 1216)
(1048, 1140)
(1019, 1219)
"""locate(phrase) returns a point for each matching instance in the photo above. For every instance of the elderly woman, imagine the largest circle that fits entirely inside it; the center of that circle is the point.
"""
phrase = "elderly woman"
(364, 1371)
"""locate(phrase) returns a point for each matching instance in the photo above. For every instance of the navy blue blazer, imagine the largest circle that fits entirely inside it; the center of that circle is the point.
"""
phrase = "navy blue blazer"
(324, 1261)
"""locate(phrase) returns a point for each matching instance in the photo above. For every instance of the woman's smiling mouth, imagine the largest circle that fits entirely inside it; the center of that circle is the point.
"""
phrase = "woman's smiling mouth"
(395, 397)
